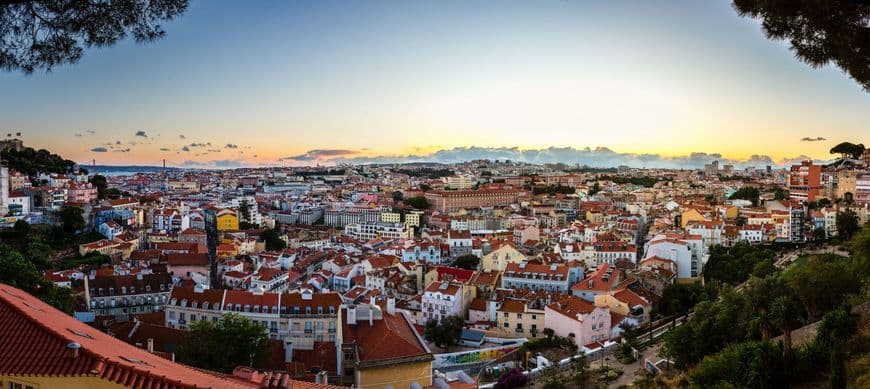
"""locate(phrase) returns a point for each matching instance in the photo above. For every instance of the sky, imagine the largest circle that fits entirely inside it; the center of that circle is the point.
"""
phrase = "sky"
(238, 83)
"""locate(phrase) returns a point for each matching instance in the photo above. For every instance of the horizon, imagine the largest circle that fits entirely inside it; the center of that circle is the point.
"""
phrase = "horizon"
(291, 84)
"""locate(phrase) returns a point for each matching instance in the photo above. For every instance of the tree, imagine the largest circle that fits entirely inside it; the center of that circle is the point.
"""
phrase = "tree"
(513, 378)
(821, 282)
(273, 240)
(836, 328)
(99, 182)
(444, 334)
(222, 345)
(417, 202)
(21, 227)
(397, 196)
(820, 32)
(786, 314)
(467, 261)
(847, 223)
(21, 273)
(745, 365)
(848, 150)
(750, 193)
(780, 194)
(44, 34)
(71, 219)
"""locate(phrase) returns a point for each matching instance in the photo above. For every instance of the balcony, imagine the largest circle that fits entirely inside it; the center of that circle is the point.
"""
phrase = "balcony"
(331, 330)
(182, 321)
(273, 330)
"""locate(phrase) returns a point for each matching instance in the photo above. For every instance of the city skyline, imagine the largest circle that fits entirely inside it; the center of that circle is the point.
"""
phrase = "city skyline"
(309, 83)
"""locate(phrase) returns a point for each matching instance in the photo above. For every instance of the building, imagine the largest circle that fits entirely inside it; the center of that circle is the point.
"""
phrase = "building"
(576, 318)
(805, 181)
(42, 347)
(454, 200)
(381, 349)
(119, 295)
(298, 318)
(501, 256)
(371, 230)
(227, 220)
(442, 299)
(524, 275)
(460, 182)
(862, 189)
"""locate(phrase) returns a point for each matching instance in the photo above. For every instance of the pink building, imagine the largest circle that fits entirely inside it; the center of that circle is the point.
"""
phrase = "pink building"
(80, 193)
(575, 316)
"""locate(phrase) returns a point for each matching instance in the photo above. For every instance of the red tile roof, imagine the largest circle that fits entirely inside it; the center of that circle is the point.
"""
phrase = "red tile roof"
(391, 338)
(34, 339)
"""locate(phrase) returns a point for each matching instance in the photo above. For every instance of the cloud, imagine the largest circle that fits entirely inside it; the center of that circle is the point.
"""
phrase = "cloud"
(99, 149)
(117, 142)
(231, 146)
(208, 144)
(91, 132)
(164, 149)
(321, 154)
(181, 136)
(185, 148)
(141, 133)
(810, 139)
(594, 157)
(78, 134)
(226, 163)
(191, 163)
(127, 150)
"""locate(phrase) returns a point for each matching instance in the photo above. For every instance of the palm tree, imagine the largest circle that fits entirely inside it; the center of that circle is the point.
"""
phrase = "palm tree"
(764, 322)
(786, 315)
(836, 328)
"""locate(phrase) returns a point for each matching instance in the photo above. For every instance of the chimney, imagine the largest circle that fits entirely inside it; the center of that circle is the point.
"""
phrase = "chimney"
(391, 305)
(321, 378)
(351, 314)
(151, 345)
(73, 349)
(87, 292)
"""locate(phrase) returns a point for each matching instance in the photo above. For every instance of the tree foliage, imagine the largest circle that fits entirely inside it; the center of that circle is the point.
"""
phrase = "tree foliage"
(417, 202)
(47, 33)
(71, 219)
(33, 162)
(99, 182)
(18, 271)
(848, 150)
(467, 261)
(820, 32)
(749, 364)
(750, 193)
(734, 264)
(223, 345)
(273, 240)
(446, 333)
(847, 223)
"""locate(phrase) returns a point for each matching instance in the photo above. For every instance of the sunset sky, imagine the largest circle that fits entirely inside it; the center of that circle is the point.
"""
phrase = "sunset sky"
(250, 83)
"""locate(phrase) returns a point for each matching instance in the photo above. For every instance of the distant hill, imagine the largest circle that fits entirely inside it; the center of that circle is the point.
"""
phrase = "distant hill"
(121, 169)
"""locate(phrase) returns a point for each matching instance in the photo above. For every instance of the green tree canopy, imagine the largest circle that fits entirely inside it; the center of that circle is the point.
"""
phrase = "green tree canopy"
(417, 202)
(820, 32)
(467, 261)
(223, 345)
(848, 150)
(46, 33)
(71, 219)
(444, 334)
(847, 223)
(750, 193)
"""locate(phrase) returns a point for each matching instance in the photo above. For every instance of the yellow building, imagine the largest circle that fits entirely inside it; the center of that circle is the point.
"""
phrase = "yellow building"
(516, 320)
(498, 259)
(412, 219)
(691, 215)
(391, 217)
(227, 220)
